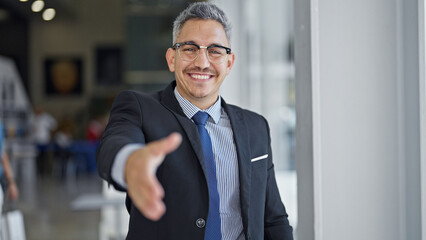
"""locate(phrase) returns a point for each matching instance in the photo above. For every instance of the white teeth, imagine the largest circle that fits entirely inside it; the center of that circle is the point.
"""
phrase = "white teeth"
(203, 77)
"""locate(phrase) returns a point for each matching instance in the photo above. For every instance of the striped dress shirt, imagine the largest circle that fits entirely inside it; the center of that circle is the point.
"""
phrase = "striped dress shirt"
(225, 154)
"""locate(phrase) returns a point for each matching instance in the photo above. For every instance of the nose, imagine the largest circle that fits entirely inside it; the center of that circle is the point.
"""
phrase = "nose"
(202, 61)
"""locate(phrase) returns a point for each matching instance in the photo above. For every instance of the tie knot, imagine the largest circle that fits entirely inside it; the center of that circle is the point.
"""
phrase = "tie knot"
(200, 118)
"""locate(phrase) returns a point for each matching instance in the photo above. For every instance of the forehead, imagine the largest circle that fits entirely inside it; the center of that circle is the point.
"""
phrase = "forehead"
(203, 32)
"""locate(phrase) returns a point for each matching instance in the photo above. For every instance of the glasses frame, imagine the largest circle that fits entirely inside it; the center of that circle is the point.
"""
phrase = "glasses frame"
(177, 46)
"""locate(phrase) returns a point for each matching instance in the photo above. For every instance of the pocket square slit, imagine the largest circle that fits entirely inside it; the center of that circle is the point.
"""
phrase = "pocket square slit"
(259, 158)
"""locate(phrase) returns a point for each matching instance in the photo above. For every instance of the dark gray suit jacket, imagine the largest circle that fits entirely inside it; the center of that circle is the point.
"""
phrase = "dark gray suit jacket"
(140, 118)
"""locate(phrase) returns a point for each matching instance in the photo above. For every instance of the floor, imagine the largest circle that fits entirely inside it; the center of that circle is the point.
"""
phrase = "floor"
(45, 203)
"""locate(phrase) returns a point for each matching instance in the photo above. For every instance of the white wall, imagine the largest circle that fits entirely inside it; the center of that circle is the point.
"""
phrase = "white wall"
(364, 125)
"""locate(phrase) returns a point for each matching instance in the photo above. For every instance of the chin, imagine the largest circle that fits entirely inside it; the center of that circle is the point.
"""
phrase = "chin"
(199, 95)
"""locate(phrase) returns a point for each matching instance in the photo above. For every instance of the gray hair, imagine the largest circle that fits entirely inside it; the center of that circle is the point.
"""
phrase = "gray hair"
(205, 11)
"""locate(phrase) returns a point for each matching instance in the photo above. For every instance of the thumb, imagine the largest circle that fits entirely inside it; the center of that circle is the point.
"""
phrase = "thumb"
(166, 145)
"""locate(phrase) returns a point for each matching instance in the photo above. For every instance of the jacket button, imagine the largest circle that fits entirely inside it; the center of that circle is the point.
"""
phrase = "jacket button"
(200, 223)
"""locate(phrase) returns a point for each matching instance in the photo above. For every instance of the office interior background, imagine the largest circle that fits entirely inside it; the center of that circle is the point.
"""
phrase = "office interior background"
(351, 71)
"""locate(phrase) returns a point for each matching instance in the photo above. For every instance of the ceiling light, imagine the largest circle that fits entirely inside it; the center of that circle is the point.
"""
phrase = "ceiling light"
(37, 6)
(49, 14)
(23, 0)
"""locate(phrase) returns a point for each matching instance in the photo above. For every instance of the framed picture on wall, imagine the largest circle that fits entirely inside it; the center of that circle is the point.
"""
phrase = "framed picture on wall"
(63, 76)
(109, 65)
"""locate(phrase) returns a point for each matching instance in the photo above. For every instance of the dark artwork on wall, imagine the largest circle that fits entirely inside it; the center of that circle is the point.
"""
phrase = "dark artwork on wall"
(63, 76)
(109, 67)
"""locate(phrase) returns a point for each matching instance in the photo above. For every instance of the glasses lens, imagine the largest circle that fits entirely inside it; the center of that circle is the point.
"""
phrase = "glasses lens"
(217, 54)
(188, 52)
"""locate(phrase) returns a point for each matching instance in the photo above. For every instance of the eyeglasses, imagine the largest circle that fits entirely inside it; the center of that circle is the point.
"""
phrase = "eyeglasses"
(189, 51)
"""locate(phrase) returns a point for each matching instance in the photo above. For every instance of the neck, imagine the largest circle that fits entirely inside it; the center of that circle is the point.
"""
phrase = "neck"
(200, 102)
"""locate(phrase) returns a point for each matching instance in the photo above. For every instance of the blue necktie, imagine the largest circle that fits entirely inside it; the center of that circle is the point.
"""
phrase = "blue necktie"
(213, 221)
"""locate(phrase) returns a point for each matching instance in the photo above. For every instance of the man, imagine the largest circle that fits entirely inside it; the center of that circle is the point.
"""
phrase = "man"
(187, 178)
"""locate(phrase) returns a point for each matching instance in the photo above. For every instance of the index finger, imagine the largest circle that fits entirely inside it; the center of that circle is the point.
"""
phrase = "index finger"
(166, 145)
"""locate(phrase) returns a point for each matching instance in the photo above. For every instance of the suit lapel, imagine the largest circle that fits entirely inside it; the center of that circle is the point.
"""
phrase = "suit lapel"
(168, 100)
(240, 131)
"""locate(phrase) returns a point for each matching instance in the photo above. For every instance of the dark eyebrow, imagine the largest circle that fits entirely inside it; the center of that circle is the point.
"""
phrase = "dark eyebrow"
(192, 42)
(217, 44)
(188, 42)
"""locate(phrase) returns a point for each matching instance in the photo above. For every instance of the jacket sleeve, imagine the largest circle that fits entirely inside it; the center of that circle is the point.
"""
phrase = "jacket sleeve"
(124, 127)
(277, 226)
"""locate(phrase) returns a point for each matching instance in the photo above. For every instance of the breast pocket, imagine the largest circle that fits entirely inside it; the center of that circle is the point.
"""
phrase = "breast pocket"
(259, 161)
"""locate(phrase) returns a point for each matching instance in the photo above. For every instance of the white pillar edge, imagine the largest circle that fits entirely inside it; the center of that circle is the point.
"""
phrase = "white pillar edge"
(422, 89)
(399, 7)
(316, 120)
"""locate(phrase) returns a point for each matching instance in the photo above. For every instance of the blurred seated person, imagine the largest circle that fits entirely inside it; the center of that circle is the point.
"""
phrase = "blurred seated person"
(95, 128)
(63, 141)
(94, 131)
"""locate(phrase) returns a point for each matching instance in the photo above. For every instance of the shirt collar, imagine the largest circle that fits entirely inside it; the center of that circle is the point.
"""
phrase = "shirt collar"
(190, 109)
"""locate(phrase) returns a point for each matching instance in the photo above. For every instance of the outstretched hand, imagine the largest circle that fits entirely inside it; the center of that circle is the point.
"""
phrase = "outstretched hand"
(142, 184)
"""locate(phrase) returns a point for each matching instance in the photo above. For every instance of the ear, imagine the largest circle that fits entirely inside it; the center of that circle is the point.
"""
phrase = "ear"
(230, 62)
(170, 57)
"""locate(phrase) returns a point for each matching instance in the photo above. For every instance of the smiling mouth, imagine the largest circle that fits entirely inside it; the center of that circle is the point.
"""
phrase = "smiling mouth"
(200, 76)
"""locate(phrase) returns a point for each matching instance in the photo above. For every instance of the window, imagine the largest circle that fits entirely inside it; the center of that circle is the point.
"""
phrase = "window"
(262, 79)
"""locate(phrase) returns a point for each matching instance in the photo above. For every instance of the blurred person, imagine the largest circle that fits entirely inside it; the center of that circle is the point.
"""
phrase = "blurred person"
(94, 131)
(8, 184)
(63, 140)
(95, 128)
(63, 136)
(193, 166)
(43, 124)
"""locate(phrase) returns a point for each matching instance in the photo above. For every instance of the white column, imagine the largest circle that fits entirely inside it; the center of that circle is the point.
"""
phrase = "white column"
(363, 133)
